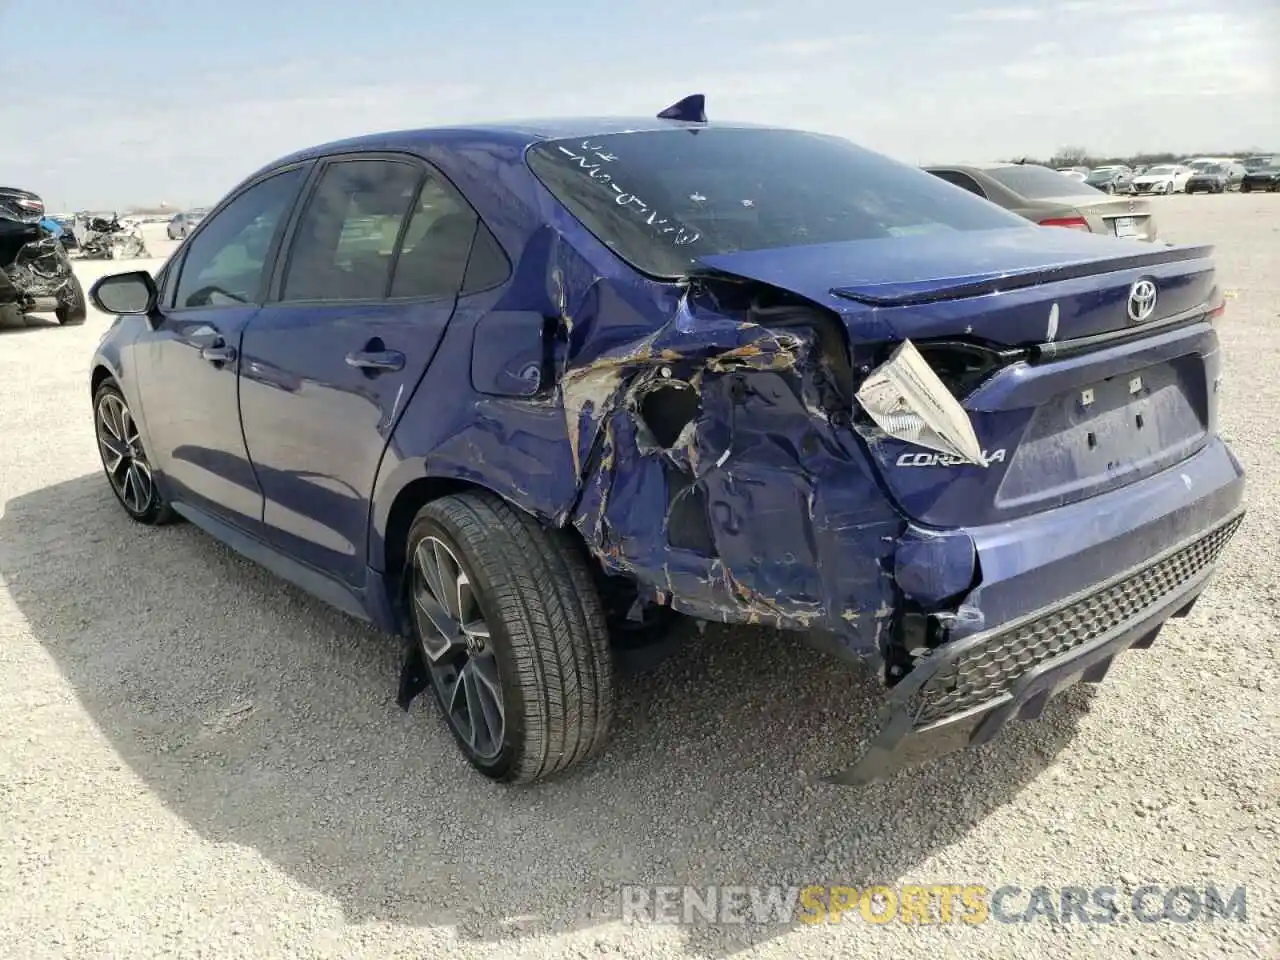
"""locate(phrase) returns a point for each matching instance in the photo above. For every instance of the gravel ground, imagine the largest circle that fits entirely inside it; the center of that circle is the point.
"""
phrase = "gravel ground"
(198, 761)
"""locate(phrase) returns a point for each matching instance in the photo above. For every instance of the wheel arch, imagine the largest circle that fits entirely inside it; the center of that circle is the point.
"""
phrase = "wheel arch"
(100, 374)
(392, 536)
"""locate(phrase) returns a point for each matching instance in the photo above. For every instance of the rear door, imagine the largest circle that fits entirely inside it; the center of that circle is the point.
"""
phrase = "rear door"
(361, 301)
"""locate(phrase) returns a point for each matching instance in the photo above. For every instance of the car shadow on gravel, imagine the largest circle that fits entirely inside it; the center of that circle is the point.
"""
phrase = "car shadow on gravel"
(268, 721)
(27, 324)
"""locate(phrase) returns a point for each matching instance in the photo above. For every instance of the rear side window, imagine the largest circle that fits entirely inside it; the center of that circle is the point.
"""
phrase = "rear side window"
(345, 242)
(1039, 183)
(661, 199)
(437, 243)
(488, 265)
(960, 180)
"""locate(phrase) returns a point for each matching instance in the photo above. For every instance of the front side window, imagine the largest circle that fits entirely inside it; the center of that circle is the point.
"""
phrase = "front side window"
(661, 199)
(224, 264)
(345, 242)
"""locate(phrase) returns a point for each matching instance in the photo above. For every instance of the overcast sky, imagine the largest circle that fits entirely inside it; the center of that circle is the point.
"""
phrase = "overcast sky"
(176, 100)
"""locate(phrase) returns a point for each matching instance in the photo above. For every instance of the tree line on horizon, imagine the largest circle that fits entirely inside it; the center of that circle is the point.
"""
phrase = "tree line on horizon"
(1083, 157)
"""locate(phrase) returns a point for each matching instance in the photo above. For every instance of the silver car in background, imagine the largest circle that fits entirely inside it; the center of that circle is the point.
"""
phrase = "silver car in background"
(184, 222)
(1046, 197)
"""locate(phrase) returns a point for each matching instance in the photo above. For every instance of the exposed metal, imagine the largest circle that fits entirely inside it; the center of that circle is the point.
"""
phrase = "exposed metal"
(101, 236)
(34, 267)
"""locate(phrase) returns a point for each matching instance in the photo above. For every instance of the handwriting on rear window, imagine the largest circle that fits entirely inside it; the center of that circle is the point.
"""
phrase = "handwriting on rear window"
(592, 160)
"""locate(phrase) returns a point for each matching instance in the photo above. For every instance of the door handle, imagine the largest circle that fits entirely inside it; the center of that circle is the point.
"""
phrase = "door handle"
(376, 360)
(218, 353)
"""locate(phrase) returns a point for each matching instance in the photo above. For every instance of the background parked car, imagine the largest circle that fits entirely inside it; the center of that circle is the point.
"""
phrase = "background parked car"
(1212, 178)
(1256, 163)
(68, 236)
(1052, 200)
(1111, 179)
(183, 223)
(1075, 173)
(1164, 178)
(1262, 178)
(35, 273)
(1236, 171)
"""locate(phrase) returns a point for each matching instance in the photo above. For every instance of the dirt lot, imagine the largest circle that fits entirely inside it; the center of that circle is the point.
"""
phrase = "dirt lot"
(198, 761)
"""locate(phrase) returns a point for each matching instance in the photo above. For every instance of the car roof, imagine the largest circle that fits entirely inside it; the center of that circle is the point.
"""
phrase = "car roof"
(517, 134)
(987, 165)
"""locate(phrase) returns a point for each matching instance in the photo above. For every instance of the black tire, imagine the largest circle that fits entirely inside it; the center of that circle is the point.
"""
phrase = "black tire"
(1244, 188)
(72, 309)
(153, 511)
(546, 630)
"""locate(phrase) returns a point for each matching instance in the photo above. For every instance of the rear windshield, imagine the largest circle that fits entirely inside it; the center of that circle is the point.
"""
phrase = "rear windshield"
(661, 199)
(1038, 183)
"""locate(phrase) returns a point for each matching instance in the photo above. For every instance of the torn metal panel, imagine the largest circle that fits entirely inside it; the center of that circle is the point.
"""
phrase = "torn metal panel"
(714, 480)
(101, 236)
(40, 268)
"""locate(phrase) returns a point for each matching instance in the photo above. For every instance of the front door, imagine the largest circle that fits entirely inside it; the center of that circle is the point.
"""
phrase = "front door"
(188, 371)
(363, 296)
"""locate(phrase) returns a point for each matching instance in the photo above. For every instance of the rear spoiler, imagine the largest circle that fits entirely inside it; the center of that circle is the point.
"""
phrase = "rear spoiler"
(915, 292)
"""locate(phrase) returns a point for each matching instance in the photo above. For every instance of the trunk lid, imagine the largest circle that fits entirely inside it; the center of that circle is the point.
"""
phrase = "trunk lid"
(1123, 217)
(1084, 399)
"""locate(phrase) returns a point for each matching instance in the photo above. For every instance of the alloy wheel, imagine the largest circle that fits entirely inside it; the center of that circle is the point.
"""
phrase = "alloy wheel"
(458, 648)
(122, 454)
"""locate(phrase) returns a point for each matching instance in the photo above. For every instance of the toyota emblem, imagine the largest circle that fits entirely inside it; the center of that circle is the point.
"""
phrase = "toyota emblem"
(1142, 300)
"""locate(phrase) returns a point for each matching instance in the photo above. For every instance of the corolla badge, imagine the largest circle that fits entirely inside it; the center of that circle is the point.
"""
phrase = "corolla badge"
(932, 459)
(1142, 300)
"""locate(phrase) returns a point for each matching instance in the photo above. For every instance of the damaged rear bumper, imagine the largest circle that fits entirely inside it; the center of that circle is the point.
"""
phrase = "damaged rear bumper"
(1061, 596)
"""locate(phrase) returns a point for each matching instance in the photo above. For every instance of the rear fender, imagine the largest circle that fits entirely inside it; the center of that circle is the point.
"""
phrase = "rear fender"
(694, 448)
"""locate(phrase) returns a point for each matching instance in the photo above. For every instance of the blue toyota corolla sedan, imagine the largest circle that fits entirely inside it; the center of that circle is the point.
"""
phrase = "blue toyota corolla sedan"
(522, 394)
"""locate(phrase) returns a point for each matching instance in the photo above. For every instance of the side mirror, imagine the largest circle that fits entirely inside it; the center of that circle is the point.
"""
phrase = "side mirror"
(125, 294)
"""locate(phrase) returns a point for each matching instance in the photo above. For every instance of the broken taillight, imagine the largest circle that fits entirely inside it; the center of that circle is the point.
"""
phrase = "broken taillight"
(1071, 223)
(909, 402)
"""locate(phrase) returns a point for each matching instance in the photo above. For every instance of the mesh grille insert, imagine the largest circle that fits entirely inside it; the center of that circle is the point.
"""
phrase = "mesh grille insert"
(987, 670)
